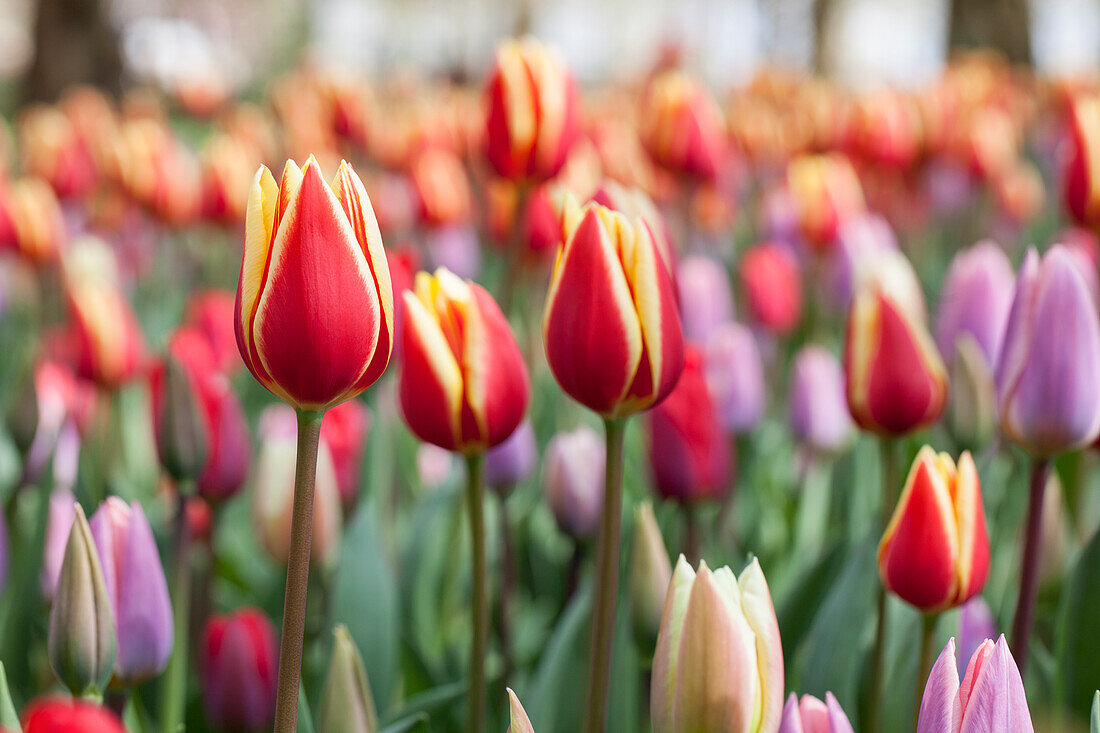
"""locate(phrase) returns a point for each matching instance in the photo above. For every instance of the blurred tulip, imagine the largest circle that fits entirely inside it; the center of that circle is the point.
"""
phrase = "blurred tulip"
(179, 425)
(513, 460)
(1047, 393)
(976, 624)
(434, 465)
(817, 410)
(772, 285)
(65, 405)
(346, 702)
(63, 715)
(630, 358)
(718, 666)
(518, 720)
(463, 383)
(313, 346)
(210, 312)
(972, 410)
(273, 491)
(976, 297)
(1080, 186)
(650, 574)
(705, 298)
(934, 553)
(735, 377)
(37, 223)
(442, 187)
(59, 524)
(226, 172)
(81, 639)
(688, 452)
(861, 241)
(541, 221)
(344, 431)
(455, 248)
(810, 715)
(990, 699)
(826, 191)
(238, 666)
(572, 480)
(682, 127)
(158, 172)
(532, 116)
(53, 150)
(136, 588)
(110, 344)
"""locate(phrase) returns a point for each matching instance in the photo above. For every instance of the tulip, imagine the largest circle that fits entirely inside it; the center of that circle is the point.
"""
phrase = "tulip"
(972, 412)
(210, 312)
(735, 377)
(312, 346)
(990, 698)
(630, 358)
(226, 173)
(179, 426)
(688, 452)
(896, 381)
(64, 405)
(975, 299)
(454, 247)
(53, 149)
(718, 665)
(532, 117)
(238, 669)
(62, 715)
(344, 432)
(650, 574)
(705, 298)
(934, 553)
(826, 191)
(773, 286)
(635, 203)
(136, 589)
(976, 624)
(463, 384)
(817, 410)
(861, 241)
(810, 715)
(59, 524)
(682, 126)
(81, 640)
(346, 702)
(541, 221)
(158, 172)
(572, 480)
(1080, 184)
(518, 720)
(442, 187)
(110, 345)
(38, 226)
(513, 460)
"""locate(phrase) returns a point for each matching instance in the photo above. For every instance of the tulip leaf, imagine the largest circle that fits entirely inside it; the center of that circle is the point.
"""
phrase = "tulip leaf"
(9, 719)
(1078, 645)
(1094, 718)
(414, 722)
(305, 717)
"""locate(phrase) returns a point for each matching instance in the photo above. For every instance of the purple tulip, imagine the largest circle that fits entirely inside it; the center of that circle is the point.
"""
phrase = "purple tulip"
(735, 376)
(705, 299)
(948, 185)
(777, 216)
(572, 480)
(455, 247)
(817, 409)
(513, 460)
(58, 525)
(136, 588)
(976, 624)
(990, 698)
(810, 715)
(859, 240)
(976, 297)
(1047, 392)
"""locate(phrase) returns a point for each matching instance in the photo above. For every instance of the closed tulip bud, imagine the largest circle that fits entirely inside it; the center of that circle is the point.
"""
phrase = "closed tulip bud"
(344, 432)
(180, 428)
(635, 203)
(990, 698)
(976, 624)
(463, 383)
(772, 285)
(1094, 715)
(682, 127)
(972, 412)
(1047, 393)
(81, 640)
(718, 666)
(532, 117)
(861, 241)
(22, 414)
(226, 172)
(346, 702)
(934, 553)
(110, 345)
(238, 668)
(572, 480)
(1080, 184)
(37, 222)
(59, 526)
(810, 715)
(650, 574)
(817, 410)
(826, 191)
(896, 381)
(313, 346)
(705, 298)
(513, 460)
(688, 451)
(735, 377)
(136, 588)
(976, 297)
(273, 492)
(442, 187)
(631, 357)
(63, 715)
(210, 312)
(518, 722)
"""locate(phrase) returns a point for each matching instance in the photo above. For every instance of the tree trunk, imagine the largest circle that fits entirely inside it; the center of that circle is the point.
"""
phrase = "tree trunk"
(74, 43)
(1000, 24)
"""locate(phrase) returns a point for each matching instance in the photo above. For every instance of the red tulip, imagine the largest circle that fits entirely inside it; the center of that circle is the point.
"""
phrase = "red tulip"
(53, 150)
(611, 328)
(826, 192)
(682, 126)
(238, 667)
(463, 384)
(344, 431)
(934, 553)
(442, 187)
(65, 715)
(109, 343)
(1081, 185)
(226, 175)
(314, 314)
(37, 226)
(211, 313)
(532, 117)
(773, 286)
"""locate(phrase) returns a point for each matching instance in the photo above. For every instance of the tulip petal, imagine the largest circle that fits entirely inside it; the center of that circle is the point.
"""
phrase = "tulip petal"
(431, 379)
(791, 722)
(497, 385)
(973, 567)
(666, 655)
(838, 720)
(144, 609)
(997, 701)
(939, 707)
(518, 721)
(756, 602)
(259, 220)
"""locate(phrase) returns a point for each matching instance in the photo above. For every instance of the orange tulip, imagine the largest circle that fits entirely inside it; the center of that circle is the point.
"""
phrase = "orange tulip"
(682, 126)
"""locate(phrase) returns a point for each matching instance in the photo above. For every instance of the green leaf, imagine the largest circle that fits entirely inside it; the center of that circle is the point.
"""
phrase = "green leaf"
(1078, 632)
(305, 717)
(414, 722)
(1094, 719)
(430, 700)
(9, 719)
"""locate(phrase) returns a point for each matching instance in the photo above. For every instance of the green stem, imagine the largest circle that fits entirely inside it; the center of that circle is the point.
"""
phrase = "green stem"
(507, 587)
(607, 580)
(889, 499)
(927, 636)
(691, 533)
(1024, 620)
(516, 248)
(475, 712)
(173, 691)
(297, 574)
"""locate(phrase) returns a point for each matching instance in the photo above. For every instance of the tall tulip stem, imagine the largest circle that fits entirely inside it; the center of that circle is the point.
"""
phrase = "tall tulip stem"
(173, 691)
(297, 574)
(889, 499)
(924, 668)
(475, 712)
(607, 581)
(1024, 619)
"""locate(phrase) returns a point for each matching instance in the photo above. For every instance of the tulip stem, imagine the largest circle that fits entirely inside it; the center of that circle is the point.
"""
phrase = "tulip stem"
(691, 533)
(297, 574)
(173, 691)
(889, 499)
(607, 581)
(507, 586)
(475, 711)
(927, 636)
(1024, 619)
